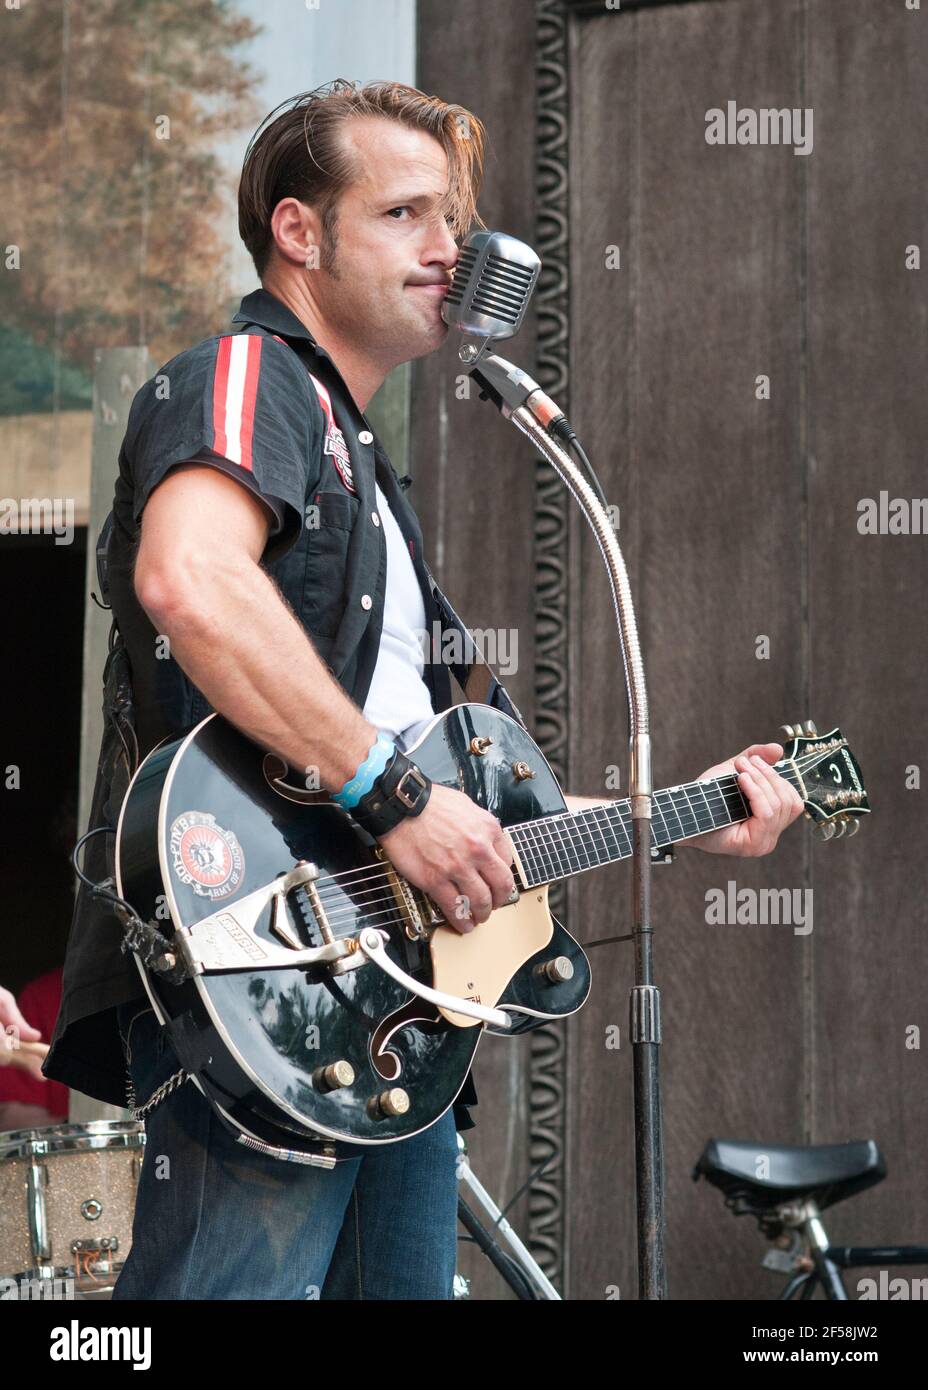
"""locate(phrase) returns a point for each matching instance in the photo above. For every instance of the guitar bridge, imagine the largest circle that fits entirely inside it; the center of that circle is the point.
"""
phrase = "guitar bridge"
(420, 915)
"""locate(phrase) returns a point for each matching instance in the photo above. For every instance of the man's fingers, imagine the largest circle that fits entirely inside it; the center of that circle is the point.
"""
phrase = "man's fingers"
(788, 799)
(769, 752)
(11, 1017)
(762, 802)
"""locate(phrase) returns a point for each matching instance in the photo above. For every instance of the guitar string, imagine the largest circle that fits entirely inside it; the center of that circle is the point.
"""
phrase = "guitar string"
(719, 791)
(571, 837)
(723, 788)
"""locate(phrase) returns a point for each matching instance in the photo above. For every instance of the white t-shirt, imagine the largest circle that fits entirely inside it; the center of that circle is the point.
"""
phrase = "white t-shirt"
(398, 701)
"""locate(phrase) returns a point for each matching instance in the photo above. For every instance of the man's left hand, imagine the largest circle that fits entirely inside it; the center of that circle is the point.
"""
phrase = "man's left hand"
(773, 804)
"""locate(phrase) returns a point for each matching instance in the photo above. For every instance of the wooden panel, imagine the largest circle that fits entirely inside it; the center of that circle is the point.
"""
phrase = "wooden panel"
(474, 487)
(869, 420)
(738, 520)
(665, 352)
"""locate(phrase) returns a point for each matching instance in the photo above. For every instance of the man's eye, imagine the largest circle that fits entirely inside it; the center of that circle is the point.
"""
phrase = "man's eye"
(405, 208)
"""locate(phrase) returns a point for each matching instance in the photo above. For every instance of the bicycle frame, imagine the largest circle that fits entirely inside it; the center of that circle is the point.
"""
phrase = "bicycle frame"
(820, 1264)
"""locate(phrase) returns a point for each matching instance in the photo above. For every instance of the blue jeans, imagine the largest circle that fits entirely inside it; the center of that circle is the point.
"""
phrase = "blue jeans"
(216, 1220)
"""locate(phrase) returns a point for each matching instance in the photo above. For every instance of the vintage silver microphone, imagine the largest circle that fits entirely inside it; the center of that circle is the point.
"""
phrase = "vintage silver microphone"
(493, 281)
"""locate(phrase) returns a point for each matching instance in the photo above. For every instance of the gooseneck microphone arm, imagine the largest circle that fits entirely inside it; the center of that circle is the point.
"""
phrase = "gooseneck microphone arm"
(521, 400)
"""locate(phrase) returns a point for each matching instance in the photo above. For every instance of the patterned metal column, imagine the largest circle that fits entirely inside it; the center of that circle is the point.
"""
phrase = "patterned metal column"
(548, 1061)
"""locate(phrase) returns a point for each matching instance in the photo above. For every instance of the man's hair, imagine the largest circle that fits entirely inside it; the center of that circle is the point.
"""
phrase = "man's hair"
(297, 152)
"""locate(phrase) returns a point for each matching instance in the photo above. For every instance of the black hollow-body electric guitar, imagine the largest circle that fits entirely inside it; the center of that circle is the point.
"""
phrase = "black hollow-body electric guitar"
(319, 1000)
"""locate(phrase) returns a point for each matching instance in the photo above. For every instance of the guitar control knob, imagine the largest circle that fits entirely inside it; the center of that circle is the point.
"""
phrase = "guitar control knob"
(556, 971)
(392, 1102)
(334, 1076)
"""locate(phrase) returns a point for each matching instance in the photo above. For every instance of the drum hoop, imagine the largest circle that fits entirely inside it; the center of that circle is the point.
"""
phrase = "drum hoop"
(76, 1138)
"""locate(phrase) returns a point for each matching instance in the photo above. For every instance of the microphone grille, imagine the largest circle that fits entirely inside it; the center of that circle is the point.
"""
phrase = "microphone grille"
(493, 280)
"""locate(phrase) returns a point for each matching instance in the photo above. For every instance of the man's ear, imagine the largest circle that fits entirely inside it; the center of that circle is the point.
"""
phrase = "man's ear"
(297, 231)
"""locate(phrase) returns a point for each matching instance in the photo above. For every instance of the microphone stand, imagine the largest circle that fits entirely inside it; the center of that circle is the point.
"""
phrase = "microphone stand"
(522, 401)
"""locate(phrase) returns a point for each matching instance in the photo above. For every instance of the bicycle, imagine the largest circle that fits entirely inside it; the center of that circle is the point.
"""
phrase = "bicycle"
(795, 1185)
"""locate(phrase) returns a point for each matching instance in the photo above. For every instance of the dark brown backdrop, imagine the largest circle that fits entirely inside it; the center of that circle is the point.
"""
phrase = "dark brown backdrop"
(738, 520)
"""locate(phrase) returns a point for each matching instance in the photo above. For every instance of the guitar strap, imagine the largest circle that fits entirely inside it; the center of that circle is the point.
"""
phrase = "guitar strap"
(474, 675)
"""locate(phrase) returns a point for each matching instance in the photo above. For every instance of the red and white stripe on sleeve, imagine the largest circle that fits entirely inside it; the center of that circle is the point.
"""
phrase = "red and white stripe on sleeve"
(235, 389)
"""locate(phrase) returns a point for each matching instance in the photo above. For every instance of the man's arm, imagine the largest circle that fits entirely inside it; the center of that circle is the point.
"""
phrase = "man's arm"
(198, 577)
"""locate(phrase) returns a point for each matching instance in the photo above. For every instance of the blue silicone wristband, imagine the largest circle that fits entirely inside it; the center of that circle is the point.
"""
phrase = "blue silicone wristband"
(360, 784)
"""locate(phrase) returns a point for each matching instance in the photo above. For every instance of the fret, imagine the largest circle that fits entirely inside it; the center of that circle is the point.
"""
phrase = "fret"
(724, 806)
(629, 831)
(527, 854)
(549, 871)
(569, 847)
(688, 822)
(693, 811)
(531, 840)
(603, 853)
(621, 808)
(585, 844)
(559, 846)
(734, 799)
(576, 827)
(700, 787)
(669, 808)
(656, 806)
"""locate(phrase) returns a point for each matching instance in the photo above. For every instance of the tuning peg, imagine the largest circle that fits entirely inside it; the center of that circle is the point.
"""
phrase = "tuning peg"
(790, 731)
(852, 827)
(810, 728)
(827, 830)
(840, 827)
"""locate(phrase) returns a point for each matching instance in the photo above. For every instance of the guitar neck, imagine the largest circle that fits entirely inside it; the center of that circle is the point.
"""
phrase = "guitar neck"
(559, 846)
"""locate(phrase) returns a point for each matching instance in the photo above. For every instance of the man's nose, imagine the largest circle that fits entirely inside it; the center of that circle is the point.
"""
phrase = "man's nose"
(443, 246)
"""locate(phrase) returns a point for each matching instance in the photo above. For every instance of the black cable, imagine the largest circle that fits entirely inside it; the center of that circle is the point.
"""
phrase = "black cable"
(524, 1188)
(573, 443)
(88, 882)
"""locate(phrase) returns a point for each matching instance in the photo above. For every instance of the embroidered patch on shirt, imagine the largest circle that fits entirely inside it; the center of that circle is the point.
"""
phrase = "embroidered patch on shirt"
(336, 446)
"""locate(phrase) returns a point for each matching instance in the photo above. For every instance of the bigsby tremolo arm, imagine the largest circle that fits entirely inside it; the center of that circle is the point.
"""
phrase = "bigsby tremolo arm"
(372, 944)
(226, 939)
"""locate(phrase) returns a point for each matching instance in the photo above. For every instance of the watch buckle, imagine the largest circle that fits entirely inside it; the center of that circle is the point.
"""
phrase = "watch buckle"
(409, 802)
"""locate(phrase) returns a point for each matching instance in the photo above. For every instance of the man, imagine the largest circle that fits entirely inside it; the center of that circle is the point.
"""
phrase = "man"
(304, 637)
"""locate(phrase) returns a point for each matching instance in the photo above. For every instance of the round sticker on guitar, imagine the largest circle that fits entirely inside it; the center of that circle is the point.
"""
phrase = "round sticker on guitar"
(206, 858)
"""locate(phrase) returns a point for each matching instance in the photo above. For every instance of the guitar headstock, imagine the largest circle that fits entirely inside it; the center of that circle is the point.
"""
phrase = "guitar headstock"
(830, 780)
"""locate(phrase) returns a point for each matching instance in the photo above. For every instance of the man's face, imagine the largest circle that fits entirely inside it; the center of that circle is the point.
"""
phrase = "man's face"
(394, 252)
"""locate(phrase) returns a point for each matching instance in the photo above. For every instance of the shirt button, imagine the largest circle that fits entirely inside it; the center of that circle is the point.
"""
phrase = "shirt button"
(375, 518)
(366, 600)
(366, 437)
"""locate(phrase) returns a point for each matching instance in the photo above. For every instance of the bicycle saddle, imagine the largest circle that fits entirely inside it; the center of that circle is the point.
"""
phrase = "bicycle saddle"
(826, 1172)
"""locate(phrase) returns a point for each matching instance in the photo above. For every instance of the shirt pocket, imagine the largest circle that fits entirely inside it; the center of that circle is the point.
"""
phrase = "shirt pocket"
(325, 583)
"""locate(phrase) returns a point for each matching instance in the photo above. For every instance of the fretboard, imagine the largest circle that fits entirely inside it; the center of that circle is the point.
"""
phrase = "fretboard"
(558, 846)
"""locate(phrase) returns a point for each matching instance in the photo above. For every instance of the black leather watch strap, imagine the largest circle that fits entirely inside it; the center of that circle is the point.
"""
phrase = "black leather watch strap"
(401, 790)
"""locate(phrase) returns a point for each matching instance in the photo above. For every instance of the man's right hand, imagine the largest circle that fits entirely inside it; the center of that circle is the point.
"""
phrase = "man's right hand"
(456, 852)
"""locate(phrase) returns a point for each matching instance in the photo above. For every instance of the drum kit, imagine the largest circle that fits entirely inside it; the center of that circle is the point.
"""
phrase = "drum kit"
(67, 1199)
